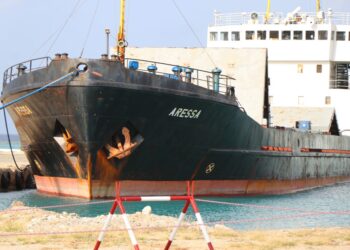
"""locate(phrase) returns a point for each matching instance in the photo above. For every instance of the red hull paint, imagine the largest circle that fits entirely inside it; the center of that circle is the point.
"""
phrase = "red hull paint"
(80, 188)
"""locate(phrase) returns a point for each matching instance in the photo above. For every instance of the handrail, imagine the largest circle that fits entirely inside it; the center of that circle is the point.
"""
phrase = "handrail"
(239, 18)
(202, 78)
(171, 65)
(71, 74)
(28, 66)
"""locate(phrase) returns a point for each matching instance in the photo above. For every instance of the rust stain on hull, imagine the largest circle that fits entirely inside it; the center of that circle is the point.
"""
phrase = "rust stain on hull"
(89, 179)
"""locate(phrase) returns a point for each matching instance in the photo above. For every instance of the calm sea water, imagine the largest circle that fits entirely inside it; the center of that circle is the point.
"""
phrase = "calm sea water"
(326, 199)
(14, 142)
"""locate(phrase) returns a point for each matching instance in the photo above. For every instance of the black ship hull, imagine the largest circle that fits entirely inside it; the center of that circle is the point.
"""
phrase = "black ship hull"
(154, 133)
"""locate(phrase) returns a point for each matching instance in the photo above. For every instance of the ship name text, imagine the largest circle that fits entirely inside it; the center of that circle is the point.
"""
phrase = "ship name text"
(23, 110)
(185, 113)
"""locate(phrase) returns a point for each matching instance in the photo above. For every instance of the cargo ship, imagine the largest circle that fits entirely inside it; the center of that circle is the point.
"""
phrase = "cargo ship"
(86, 123)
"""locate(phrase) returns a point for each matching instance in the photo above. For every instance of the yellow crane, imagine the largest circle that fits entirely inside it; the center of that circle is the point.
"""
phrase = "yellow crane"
(121, 43)
(318, 6)
(267, 15)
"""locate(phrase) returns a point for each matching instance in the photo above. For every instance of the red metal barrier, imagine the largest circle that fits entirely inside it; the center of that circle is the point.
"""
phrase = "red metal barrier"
(189, 200)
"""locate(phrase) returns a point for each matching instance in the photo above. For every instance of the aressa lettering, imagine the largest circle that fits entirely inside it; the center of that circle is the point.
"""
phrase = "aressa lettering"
(185, 113)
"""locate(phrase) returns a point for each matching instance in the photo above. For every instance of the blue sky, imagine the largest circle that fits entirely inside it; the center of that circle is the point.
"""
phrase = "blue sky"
(25, 25)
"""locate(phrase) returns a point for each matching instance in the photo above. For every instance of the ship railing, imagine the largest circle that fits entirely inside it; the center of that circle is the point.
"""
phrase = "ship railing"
(198, 77)
(18, 69)
(225, 19)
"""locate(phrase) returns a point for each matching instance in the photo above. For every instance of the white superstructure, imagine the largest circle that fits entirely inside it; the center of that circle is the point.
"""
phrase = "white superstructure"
(308, 53)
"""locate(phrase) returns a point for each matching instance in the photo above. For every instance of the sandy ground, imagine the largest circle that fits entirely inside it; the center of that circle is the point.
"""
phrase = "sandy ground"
(151, 231)
(6, 160)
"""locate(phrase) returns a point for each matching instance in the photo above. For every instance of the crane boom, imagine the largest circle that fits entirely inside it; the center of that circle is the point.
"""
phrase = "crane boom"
(267, 15)
(121, 34)
(318, 6)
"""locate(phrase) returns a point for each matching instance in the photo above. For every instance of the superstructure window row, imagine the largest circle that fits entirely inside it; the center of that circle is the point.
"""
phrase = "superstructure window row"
(277, 35)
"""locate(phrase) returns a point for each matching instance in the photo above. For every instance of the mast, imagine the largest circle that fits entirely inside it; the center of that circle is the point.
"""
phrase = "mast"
(121, 35)
(318, 6)
(267, 15)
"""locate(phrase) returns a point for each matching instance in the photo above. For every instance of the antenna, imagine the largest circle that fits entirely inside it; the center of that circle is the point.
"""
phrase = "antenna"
(107, 31)
(121, 43)
(267, 15)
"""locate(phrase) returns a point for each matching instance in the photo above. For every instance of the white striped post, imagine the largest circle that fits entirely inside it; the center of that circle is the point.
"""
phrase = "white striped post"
(200, 223)
(128, 226)
(105, 226)
(178, 224)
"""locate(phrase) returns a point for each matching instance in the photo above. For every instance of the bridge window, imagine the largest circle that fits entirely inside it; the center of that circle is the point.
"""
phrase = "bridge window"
(298, 35)
(322, 35)
(333, 35)
(235, 36)
(327, 100)
(224, 36)
(274, 35)
(213, 36)
(249, 35)
(261, 35)
(340, 36)
(349, 36)
(310, 35)
(319, 68)
(286, 35)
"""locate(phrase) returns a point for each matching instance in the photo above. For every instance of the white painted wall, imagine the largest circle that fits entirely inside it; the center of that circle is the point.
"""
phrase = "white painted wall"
(287, 85)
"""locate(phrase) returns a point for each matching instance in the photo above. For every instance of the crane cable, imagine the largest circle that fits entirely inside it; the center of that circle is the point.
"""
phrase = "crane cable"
(193, 32)
(62, 27)
(90, 27)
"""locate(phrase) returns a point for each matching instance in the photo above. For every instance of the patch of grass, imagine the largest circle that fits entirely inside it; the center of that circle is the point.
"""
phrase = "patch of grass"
(83, 236)
(33, 240)
(289, 244)
(13, 227)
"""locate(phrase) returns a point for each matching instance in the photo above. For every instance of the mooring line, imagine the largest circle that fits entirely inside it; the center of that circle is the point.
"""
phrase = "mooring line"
(254, 205)
(73, 73)
(56, 206)
(200, 200)
(10, 143)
